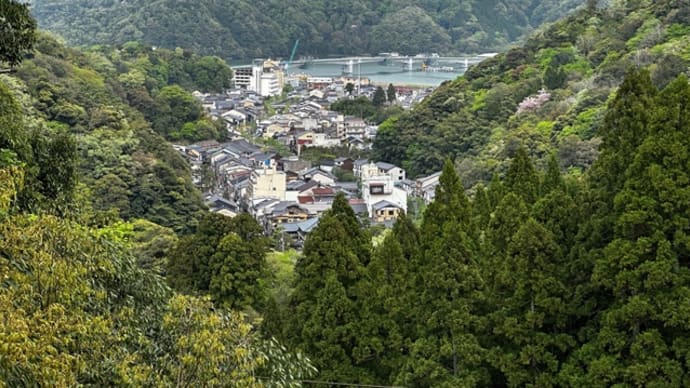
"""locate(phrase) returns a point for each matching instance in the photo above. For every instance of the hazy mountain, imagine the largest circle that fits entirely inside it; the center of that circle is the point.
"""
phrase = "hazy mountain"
(243, 29)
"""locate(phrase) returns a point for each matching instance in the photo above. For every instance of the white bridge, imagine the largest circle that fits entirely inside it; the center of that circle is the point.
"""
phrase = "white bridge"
(352, 65)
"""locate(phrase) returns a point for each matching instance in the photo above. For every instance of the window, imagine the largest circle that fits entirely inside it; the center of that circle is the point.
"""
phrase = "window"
(391, 212)
(376, 189)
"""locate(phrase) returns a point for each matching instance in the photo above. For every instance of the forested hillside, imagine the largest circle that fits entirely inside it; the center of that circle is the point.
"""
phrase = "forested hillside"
(548, 95)
(93, 201)
(122, 104)
(246, 29)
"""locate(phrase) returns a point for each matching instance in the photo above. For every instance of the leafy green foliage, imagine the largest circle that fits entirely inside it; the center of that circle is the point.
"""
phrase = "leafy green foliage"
(17, 31)
(366, 108)
(79, 308)
(129, 170)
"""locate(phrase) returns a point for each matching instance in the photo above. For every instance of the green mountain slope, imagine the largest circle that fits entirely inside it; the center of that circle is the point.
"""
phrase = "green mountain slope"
(245, 29)
(481, 118)
(110, 102)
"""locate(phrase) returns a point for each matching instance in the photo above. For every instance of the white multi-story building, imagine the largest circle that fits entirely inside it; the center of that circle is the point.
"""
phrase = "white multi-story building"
(378, 189)
(263, 77)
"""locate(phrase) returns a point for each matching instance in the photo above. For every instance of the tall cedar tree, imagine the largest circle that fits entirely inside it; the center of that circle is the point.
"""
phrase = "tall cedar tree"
(531, 314)
(448, 284)
(225, 258)
(323, 317)
(626, 124)
(643, 335)
(390, 93)
(384, 295)
(552, 179)
(521, 178)
(379, 97)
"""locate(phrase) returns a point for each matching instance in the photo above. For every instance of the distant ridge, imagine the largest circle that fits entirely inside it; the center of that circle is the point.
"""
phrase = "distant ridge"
(269, 28)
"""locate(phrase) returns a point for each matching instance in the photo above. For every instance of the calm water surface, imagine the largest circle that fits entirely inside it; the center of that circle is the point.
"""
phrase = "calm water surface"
(398, 71)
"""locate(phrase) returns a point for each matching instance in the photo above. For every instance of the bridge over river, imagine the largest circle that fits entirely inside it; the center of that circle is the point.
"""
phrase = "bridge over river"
(418, 70)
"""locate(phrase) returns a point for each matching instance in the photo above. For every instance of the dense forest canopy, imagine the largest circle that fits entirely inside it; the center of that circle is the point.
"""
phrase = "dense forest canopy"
(246, 29)
(92, 202)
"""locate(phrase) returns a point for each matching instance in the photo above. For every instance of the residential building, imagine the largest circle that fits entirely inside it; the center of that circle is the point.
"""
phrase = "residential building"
(377, 187)
(267, 182)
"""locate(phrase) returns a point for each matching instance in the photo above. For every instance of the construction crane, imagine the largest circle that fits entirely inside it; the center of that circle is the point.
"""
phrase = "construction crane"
(292, 55)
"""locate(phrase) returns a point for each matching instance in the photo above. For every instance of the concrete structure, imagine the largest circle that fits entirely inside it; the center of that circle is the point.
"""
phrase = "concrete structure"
(267, 182)
(263, 77)
(378, 187)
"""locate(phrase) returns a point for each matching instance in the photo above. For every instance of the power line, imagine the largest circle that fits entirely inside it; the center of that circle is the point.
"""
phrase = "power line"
(349, 384)
(319, 382)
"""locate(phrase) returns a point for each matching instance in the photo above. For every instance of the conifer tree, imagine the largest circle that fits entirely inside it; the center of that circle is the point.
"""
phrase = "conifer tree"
(481, 208)
(625, 126)
(558, 212)
(407, 234)
(495, 191)
(385, 310)
(641, 340)
(639, 274)
(521, 178)
(510, 213)
(449, 285)
(552, 179)
(324, 310)
(531, 314)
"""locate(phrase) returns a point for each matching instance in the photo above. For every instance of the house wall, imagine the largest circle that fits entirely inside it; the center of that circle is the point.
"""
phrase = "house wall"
(268, 183)
(386, 214)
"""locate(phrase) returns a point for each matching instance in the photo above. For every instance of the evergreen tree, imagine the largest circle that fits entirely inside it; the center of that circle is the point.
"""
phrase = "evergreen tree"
(449, 283)
(385, 296)
(237, 267)
(359, 238)
(390, 93)
(559, 214)
(188, 267)
(552, 178)
(407, 234)
(379, 97)
(510, 213)
(642, 271)
(531, 314)
(226, 258)
(495, 191)
(323, 312)
(481, 208)
(521, 178)
(625, 126)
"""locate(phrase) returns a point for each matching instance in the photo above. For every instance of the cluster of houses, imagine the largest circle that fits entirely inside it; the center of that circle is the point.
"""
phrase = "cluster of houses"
(289, 195)
(300, 118)
(305, 124)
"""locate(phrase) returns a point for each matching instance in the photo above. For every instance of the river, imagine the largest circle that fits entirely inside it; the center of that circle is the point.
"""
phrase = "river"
(422, 71)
